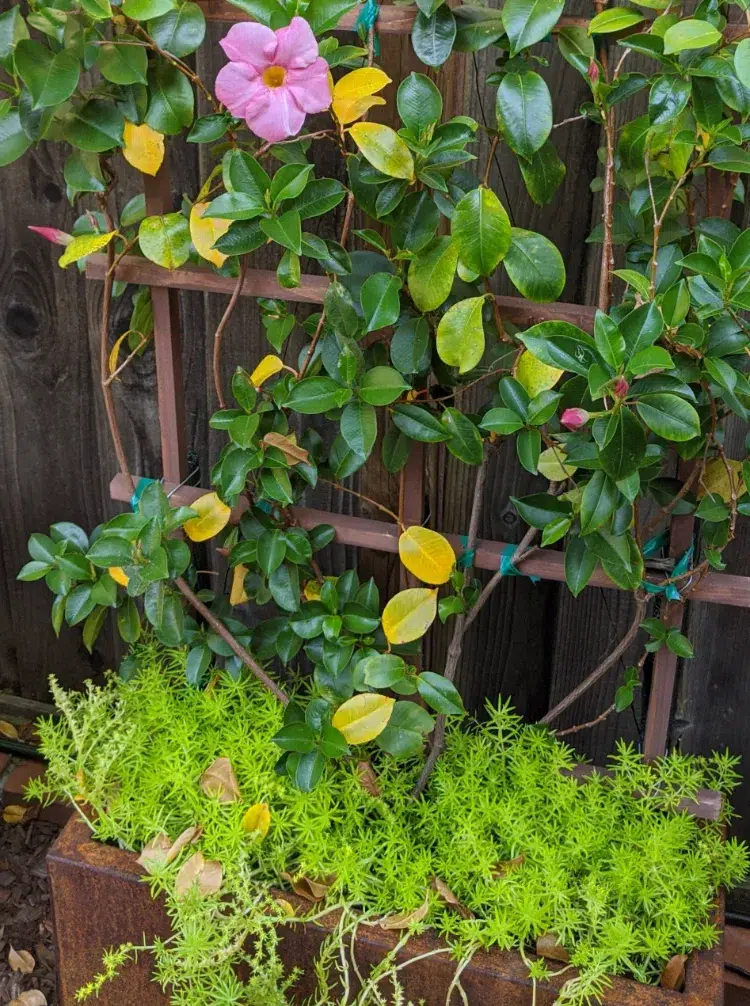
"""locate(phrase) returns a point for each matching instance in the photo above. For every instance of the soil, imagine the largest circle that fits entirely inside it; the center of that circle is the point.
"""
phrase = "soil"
(25, 913)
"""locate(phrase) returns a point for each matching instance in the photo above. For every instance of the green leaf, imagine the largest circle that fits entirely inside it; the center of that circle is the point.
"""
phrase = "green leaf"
(432, 37)
(626, 448)
(609, 340)
(12, 30)
(382, 670)
(13, 140)
(420, 104)
(285, 230)
(414, 224)
(34, 570)
(481, 228)
(730, 158)
(305, 770)
(208, 128)
(742, 62)
(460, 334)
(313, 395)
(541, 509)
(543, 173)
(535, 267)
(144, 10)
(284, 586)
(241, 172)
(323, 15)
(419, 424)
(275, 485)
(92, 627)
(690, 34)
(109, 550)
(298, 737)
(615, 19)
(96, 125)
(528, 448)
(560, 344)
(380, 300)
(580, 563)
(524, 111)
(502, 421)
(381, 386)
(669, 417)
(51, 78)
(289, 182)
(529, 21)
(384, 149)
(395, 451)
(440, 694)
(431, 273)
(129, 621)
(466, 441)
(165, 240)
(407, 727)
(122, 63)
(181, 31)
(652, 358)
(598, 502)
(679, 644)
(359, 427)
(668, 98)
(319, 196)
(171, 100)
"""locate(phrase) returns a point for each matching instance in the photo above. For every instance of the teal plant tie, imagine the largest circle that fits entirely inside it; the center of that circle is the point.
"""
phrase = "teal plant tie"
(508, 568)
(367, 19)
(655, 544)
(135, 499)
(669, 590)
(263, 505)
(467, 556)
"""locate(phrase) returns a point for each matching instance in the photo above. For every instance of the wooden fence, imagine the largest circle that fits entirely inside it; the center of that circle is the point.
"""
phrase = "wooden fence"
(531, 642)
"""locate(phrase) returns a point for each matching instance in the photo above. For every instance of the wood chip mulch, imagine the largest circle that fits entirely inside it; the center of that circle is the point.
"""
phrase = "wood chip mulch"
(25, 914)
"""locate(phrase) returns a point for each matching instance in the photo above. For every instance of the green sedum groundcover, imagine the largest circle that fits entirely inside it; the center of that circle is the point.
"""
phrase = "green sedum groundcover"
(622, 880)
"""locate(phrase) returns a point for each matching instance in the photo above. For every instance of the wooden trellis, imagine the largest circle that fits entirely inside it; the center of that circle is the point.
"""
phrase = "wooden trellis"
(714, 587)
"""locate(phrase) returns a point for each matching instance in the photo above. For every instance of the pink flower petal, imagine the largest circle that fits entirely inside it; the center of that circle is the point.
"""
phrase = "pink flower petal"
(297, 46)
(250, 43)
(276, 119)
(53, 234)
(237, 84)
(311, 87)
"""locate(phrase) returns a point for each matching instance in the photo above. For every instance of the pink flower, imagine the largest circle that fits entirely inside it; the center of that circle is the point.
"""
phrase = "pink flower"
(593, 71)
(574, 418)
(620, 387)
(274, 78)
(57, 237)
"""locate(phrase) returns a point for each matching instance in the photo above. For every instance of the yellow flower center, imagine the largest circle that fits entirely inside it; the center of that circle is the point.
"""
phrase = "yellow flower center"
(274, 76)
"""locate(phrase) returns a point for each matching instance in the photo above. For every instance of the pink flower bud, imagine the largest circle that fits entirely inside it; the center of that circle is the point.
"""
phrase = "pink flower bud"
(574, 419)
(57, 237)
(593, 71)
(620, 387)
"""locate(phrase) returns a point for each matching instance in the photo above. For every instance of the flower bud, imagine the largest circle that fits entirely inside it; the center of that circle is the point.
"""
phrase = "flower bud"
(574, 419)
(57, 237)
(620, 387)
(593, 71)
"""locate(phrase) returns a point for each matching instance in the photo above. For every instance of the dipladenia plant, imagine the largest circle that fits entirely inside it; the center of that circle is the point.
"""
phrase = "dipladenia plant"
(408, 323)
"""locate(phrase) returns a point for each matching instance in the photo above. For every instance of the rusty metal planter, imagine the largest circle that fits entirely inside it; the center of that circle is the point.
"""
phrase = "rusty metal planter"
(99, 901)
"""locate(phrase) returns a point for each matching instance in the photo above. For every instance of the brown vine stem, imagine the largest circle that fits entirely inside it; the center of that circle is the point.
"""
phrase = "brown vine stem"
(608, 212)
(604, 666)
(104, 325)
(128, 360)
(229, 639)
(177, 64)
(490, 157)
(602, 716)
(453, 657)
(220, 328)
(365, 499)
(683, 491)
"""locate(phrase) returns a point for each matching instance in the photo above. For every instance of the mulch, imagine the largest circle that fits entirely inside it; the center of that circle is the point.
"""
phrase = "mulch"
(25, 913)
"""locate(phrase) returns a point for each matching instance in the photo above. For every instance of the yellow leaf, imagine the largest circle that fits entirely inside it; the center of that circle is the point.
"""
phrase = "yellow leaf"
(115, 353)
(363, 717)
(119, 575)
(716, 480)
(8, 730)
(13, 813)
(409, 614)
(552, 465)
(258, 818)
(84, 245)
(238, 594)
(384, 149)
(284, 907)
(349, 110)
(143, 147)
(214, 516)
(205, 232)
(312, 588)
(426, 554)
(267, 367)
(534, 375)
(353, 94)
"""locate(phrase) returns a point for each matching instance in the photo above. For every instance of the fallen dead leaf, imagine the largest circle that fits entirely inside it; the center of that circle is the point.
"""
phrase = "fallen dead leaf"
(293, 453)
(673, 975)
(31, 998)
(308, 888)
(450, 898)
(219, 781)
(207, 874)
(155, 852)
(21, 960)
(547, 946)
(284, 906)
(188, 836)
(402, 920)
(8, 730)
(367, 778)
(506, 866)
(14, 814)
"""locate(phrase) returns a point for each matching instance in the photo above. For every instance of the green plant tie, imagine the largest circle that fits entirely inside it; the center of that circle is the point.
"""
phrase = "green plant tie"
(467, 556)
(367, 19)
(670, 590)
(135, 499)
(508, 568)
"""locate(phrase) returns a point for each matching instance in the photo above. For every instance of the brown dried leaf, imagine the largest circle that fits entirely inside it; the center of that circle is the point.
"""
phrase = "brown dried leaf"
(210, 877)
(506, 866)
(32, 998)
(155, 853)
(309, 888)
(219, 780)
(547, 946)
(450, 898)
(402, 920)
(673, 975)
(21, 960)
(189, 835)
(293, 453)
(207, 874)
(14, 814)
(8, 730)
(367, 778)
